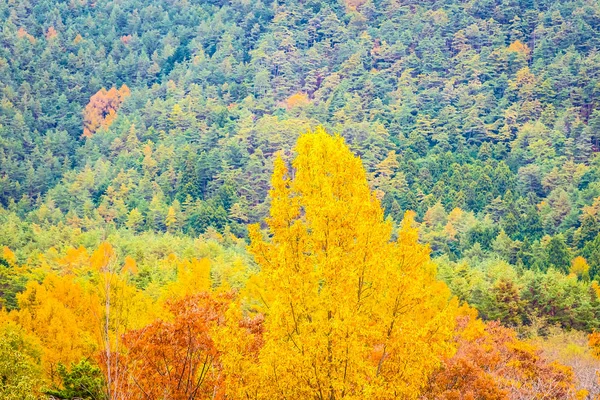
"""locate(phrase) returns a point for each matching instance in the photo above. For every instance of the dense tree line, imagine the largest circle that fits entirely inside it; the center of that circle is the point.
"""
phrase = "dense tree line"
(486, 107)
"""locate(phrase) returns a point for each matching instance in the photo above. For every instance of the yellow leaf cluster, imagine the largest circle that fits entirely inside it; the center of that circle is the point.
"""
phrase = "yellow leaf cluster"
(193, 277)
(61, 314)
(297, 100)
(518, 47)
(8, 255)
(580, 267)
(84, 310)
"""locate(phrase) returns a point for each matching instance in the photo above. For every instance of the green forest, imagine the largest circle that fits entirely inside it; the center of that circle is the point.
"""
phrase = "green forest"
(166, 165)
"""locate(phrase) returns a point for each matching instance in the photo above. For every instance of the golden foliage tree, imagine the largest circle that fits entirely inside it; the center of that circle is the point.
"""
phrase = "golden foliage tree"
(297, 100)
(121, 308)
(193, 277)
(349, 313)
(60, 313)
(102, 109)
(84, 311)
(520, 48)
(580, 267)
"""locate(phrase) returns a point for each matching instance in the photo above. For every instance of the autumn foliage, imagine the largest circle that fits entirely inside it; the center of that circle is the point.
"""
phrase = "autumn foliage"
(297, 100)
(520, 48)
(177, 359)
(341, 306)
(61, 314)
(348, 311)
(102, 109)
(494, 364)
(142, 226)
(594, 341)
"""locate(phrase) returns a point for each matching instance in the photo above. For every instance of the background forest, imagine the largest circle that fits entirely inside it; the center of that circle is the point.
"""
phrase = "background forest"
(154, 125)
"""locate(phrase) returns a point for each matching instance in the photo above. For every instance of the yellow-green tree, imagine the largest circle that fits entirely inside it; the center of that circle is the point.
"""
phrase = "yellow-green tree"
(122, 307)
(19, 363)
(349, 313)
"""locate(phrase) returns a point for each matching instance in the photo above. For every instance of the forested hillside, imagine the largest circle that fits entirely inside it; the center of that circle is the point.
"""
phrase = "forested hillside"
(138, 142)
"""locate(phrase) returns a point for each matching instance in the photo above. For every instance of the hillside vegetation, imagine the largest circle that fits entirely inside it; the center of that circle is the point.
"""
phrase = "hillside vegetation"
(138, 177)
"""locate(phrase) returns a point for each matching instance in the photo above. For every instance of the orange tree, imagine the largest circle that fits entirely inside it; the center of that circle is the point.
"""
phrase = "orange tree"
(177, 359)
(493, 364)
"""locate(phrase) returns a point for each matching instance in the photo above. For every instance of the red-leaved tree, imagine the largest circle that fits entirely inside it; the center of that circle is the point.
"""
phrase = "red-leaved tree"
(178, 359)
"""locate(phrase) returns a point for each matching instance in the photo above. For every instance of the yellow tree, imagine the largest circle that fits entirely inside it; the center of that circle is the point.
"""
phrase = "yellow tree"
(171, 220)
(349, 313)
(59, 312)
(580, 267)
(121, 308)
(84, 311)
(193, 277)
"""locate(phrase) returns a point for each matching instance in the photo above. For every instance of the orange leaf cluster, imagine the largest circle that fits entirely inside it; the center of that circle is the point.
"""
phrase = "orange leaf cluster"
(297, 100)
(22, 33)
(179, 359)
(102, 109)
(497, 365)
(594, 342)
(520, 48)
(51, 33)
